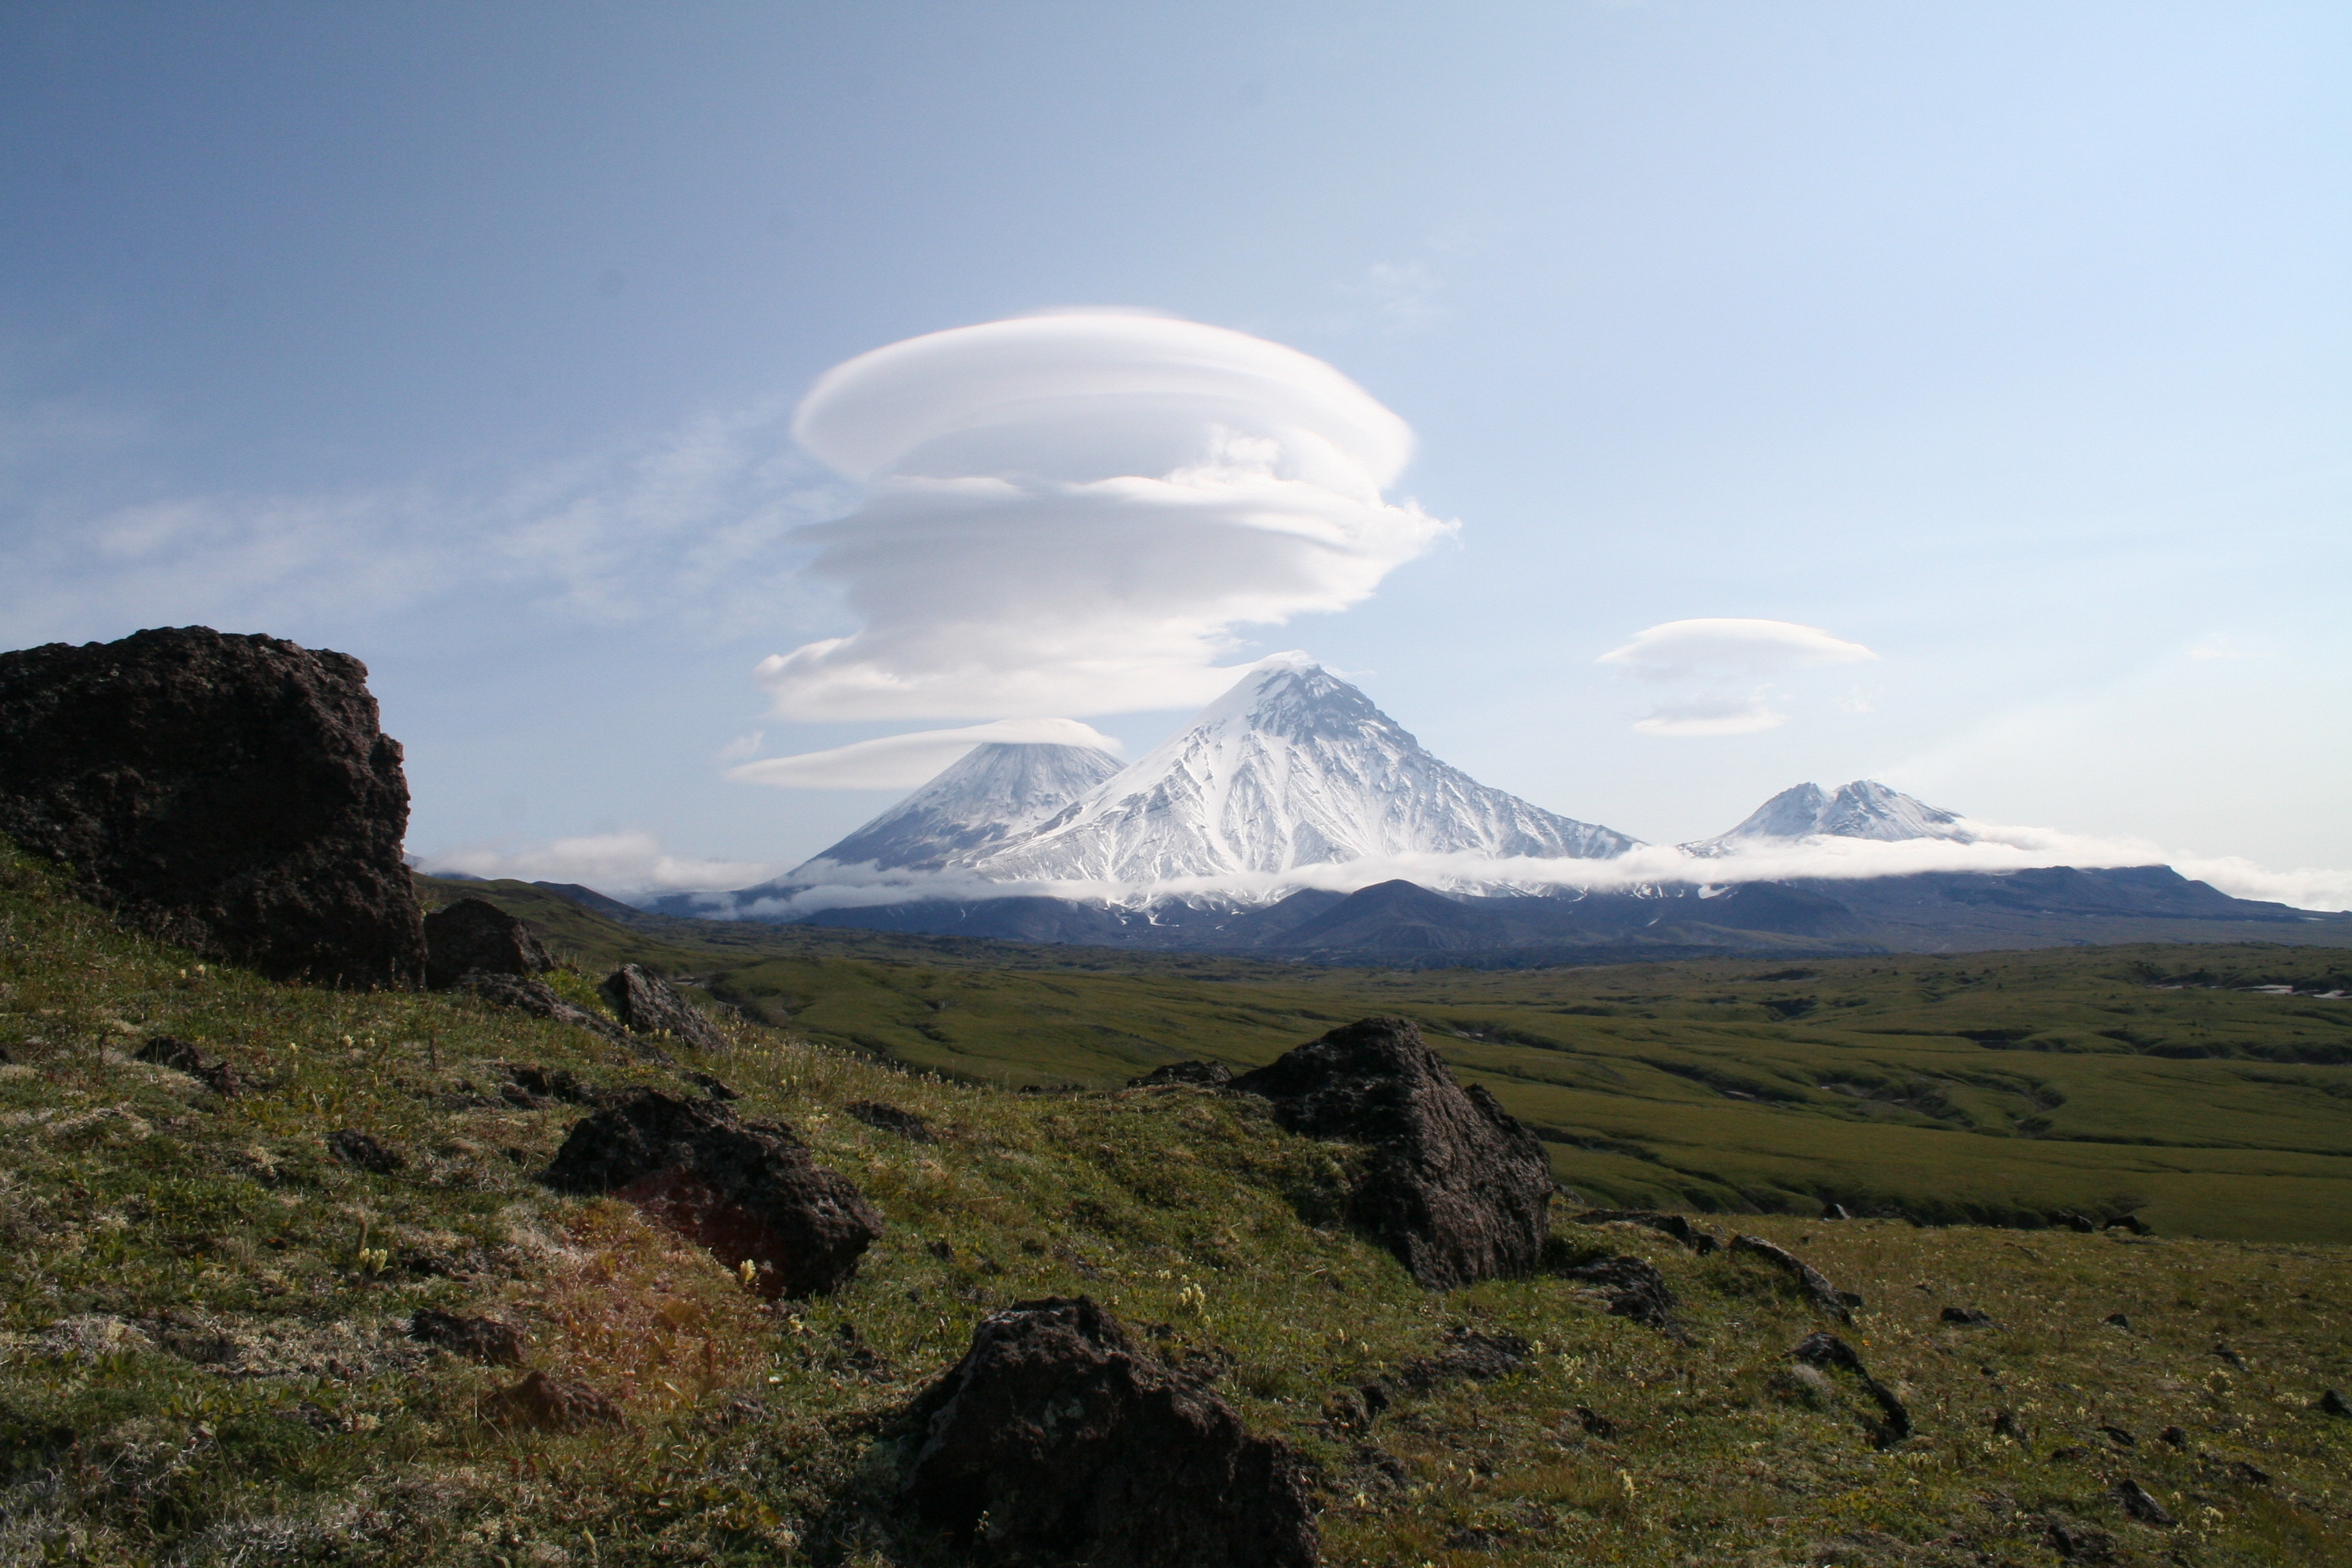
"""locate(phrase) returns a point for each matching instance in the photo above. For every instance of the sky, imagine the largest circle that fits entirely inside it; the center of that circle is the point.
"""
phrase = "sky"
(1995, 354)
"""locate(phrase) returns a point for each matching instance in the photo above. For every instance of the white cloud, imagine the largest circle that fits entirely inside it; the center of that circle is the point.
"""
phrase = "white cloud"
(1724, 666)
(1991, 847)
(1072, 513)
(903, 762)
(624, 865)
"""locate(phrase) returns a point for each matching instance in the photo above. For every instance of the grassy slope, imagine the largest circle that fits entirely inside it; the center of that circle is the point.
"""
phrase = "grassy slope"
(1995, 1087)
(200, 1368)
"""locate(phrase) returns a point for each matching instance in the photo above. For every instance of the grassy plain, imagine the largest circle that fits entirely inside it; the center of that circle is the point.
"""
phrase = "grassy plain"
(1989, 1087)
(203, 1358)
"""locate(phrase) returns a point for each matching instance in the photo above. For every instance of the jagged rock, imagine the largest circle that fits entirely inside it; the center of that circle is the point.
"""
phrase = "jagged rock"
(1836, 1211)
(485, 1340)
(2131, 1223)
(2080, 1543)
(539, 999)
(2250, 1474)
(234, 794)
(363, 1153)
(1469, 1356)
(181, 1056)
(2074, 1222)
(1831, 1353)
(2233, 1357)
(1673, 1224)
(717, 1088)
(2120, 1436)
(476, 934)
(1456, 1187)
(530, 1087)
(1054, 1439)
(540, 1400)
(646, 1004)
(2117, 1321)
(1595, 1423)
(2333, 1402)
(746, 1190)
(2141, 1504)
(1203, 1074)
(1818, 1289)
(1967, 1316)
(888, 1118)
(1636, 1289)
(2174, 1436)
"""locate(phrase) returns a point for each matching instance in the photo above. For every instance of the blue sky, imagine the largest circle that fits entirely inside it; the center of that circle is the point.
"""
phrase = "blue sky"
(2007, 342)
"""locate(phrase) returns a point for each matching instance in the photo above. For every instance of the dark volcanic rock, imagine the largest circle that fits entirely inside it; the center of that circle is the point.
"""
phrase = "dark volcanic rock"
(646, 1005)
(530, 1087)
(179, 1056)
(1831, 1353)
(539, 999)
(746, 1190)
(231, 793)
(2141, 1504)
(484, 1339)
(1673, 1224)
(1054, 1439)
(362, 1152)
(1636, 1289)
(540, 1400)
(2333, 1402)
(1458, 1190)
(1817, 1288)
(1967, 1316)
(1203, 1074)
(1469, 1356)
(2080, 1543)
(886, 1118)
(476, 934)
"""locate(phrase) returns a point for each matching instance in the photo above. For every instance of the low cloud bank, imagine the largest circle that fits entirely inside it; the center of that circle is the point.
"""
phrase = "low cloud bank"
(1993, 849)
(909, 762)
(1072, 513)
(624, 864)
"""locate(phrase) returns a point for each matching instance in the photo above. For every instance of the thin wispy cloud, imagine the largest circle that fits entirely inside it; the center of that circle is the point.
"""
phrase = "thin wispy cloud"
(903, 762)
(1721, 673)
(1078, 512)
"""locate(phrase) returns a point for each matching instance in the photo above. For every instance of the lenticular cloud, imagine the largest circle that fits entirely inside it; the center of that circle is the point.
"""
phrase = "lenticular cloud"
(1072, 513)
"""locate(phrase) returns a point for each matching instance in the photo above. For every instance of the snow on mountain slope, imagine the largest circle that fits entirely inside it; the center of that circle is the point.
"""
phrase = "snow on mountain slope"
(1292, 767)
(1862, 809)
(978, 803)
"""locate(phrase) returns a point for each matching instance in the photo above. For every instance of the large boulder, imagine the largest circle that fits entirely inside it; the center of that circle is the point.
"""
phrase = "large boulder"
(231, 793)
(647, 1004)
(1054, 1439)
(746, 1190)
(474, 935)
(1456, 1187)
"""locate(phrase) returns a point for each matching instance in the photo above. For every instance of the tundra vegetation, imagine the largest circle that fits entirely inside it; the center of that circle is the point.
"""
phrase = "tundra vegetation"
(217, 1280)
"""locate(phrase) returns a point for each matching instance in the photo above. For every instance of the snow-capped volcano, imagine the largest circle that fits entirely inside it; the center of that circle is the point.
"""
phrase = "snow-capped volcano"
(1292, 767)
(986, 798)
(1863, 809)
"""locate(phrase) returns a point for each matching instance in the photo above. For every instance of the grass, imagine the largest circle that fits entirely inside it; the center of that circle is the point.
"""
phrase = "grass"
(204, 1361)
(1994, 1087)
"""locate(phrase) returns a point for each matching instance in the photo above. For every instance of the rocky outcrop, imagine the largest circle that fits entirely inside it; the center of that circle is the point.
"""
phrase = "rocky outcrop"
(884, 1116)
(485, 1340)
(647, 1004)
(1056, 1440)
(1823, 1295)
(1199, 1074)
(1827, 1352)
(1458, 1190)
(746, 1190)
(179, 1056)
(476, 936)
(231, 793)
(1634, 1288)
(540, 1000)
